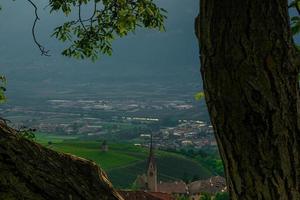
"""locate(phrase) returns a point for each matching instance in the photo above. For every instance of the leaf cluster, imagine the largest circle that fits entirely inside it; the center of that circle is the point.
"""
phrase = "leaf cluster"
(199, 95)
(2, 88)
(109, 20)
(222, 196)
(28, 133)
(295, 20)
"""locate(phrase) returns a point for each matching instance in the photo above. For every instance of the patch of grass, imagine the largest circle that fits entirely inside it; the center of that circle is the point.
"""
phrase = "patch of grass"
(170, 168)
(43, 138)
(123, 162)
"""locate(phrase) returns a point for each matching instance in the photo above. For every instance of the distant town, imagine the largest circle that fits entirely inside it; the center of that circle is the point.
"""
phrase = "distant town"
(117, 119)
(188, 133)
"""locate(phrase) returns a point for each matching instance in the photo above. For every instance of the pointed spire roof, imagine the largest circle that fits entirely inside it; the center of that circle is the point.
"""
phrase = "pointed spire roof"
(151, 159)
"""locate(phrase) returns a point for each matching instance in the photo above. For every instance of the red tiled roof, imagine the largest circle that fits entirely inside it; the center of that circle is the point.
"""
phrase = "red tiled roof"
(142, 195)
(173, 187)
(211, 185)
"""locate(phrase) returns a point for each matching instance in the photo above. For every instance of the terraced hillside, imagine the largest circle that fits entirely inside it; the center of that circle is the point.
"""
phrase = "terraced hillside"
(123, 162)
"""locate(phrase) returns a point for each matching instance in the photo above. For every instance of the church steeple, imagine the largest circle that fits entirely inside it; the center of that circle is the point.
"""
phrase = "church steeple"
(151, 158)
(152, 170)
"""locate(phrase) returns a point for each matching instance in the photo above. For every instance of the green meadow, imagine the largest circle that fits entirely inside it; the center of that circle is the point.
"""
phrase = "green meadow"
(124, 161)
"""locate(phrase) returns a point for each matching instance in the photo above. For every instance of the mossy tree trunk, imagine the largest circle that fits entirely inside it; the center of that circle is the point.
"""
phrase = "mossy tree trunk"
(252, 93)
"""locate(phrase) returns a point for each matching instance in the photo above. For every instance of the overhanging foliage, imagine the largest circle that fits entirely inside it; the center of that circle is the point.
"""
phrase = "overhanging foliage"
(109, 19)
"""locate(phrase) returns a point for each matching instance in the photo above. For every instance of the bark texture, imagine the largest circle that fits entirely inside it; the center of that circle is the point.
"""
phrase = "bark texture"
(30, 171)
(252, 93)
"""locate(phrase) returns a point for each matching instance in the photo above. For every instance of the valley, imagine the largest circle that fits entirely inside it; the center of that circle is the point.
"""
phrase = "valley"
(123, 162)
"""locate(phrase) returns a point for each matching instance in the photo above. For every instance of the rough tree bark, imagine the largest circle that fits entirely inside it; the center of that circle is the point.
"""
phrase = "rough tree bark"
(31, 171)
(252, 93)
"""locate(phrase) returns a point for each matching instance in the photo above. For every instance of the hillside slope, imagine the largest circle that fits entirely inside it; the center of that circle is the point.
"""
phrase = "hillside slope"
(124, 162)
(30, 171)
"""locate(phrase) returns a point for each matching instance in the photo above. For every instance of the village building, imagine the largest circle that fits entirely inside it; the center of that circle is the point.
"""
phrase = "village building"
(177, 188)
(212, 186)
(144, 195)
(149, 183)
(104, 146)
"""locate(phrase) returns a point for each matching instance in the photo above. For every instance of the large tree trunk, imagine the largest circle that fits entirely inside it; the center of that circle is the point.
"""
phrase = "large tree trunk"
(252, 93)
(30, 171)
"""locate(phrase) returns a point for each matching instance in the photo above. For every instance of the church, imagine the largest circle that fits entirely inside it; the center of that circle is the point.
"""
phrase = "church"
(149, 182)
(152, 170)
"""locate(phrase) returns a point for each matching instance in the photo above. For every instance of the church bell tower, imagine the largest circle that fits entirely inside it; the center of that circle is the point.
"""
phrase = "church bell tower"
(152, 170)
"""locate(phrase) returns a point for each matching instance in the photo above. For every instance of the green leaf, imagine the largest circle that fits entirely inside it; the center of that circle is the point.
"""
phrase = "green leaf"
(199, 96)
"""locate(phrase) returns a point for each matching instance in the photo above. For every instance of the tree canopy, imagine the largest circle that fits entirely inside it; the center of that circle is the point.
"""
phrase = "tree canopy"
(108, 19)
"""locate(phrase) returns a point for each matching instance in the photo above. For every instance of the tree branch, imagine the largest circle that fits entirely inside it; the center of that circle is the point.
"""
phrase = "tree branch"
(44, 51)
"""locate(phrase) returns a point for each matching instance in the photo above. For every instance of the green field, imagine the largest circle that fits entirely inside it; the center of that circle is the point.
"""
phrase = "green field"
(123, 162)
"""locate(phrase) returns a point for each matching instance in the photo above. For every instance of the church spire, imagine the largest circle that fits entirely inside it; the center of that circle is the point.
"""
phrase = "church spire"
(151, 159)
(151, 145)
(152, 170)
